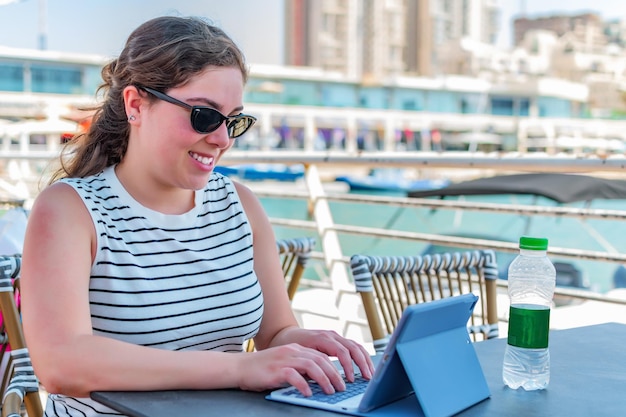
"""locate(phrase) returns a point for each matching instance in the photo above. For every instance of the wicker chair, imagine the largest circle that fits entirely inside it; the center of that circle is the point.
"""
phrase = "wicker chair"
(23, 387)
(294, 254)
(387, 284)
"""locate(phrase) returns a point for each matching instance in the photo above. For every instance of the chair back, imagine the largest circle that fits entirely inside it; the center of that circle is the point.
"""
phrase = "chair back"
(23, 386)
(388, 284)
(294, 254)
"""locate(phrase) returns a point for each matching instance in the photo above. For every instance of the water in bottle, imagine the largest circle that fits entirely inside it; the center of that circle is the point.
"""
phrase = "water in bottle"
(531, 282)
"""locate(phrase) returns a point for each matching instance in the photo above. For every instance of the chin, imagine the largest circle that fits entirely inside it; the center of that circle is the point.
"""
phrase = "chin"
(196, 183)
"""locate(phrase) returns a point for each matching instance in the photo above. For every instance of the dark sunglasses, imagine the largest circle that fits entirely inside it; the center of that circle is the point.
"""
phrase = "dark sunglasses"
(206, 120)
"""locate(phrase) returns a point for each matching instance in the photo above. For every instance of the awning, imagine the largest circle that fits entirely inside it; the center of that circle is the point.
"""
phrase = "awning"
(563, 188)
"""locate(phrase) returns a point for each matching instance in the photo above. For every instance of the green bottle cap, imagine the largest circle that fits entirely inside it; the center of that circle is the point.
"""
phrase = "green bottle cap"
(533, 243)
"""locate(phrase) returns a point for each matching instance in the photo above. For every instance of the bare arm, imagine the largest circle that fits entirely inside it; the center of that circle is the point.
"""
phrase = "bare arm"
(279, 326)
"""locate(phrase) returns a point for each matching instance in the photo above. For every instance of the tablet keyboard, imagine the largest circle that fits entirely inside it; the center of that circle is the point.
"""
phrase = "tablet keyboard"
(352, 389)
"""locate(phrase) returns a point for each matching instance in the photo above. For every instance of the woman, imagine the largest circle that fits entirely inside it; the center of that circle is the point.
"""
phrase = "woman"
(145, 270)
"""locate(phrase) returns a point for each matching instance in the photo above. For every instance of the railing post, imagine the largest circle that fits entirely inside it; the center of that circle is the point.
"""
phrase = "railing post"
(266, 130)
(342, 288)
(390, 134)
(310, 133)
(351, 134)
(325, 228)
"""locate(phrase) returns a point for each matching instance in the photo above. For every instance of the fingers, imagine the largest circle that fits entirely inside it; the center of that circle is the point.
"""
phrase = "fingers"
(344, 356)
(295, 379)
(299, 364)
(348, 354)
(365, 363)
(326, 375)
(353, 353)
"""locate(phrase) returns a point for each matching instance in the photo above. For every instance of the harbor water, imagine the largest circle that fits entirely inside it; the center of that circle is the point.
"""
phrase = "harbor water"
(587, 234)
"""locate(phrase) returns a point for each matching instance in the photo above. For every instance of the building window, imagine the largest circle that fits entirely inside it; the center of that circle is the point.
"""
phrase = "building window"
(409, 105)
(56, 80)
(11, 77)
(502, 106)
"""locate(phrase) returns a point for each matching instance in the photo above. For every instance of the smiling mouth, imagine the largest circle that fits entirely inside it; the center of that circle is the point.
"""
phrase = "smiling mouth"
(204, 160)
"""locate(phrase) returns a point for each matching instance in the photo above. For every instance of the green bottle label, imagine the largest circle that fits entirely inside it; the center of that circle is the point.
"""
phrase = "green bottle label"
(529, 328)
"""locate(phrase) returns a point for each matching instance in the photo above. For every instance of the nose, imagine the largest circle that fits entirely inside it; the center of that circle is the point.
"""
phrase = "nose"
(219, 137)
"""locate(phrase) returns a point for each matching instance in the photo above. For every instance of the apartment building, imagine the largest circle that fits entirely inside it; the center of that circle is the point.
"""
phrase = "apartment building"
(586, 29)
(372, 39)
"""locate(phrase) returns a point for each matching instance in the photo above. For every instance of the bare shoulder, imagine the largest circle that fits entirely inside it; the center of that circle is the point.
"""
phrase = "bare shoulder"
(243, 190)
(58, 224)
(57, 197)
(249, 200)
(253, 207)
(58, 211)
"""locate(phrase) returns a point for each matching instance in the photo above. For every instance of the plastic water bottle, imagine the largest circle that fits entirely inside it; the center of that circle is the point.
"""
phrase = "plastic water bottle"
(532, 279)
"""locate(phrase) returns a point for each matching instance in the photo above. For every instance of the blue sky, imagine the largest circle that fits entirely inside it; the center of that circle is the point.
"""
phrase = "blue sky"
(102, 26)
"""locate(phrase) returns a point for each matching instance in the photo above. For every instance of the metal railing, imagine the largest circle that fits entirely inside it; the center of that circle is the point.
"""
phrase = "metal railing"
(500, 161)
(313, 193)
(457, 241)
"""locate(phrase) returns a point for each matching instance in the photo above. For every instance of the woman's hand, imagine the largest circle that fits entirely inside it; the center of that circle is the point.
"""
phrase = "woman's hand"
(331, 344)
(347, 351)
(290, 364)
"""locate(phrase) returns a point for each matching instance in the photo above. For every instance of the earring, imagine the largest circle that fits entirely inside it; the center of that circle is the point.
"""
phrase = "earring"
(131, 118)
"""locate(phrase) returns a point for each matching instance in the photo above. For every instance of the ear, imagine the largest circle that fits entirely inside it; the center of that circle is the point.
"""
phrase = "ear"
(133, 100)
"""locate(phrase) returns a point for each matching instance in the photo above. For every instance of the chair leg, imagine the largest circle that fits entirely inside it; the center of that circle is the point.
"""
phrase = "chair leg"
(492, 303)
(371, 312)
(294, 282)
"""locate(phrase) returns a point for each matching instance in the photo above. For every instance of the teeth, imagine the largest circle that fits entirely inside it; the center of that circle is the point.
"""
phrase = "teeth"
(205, 160)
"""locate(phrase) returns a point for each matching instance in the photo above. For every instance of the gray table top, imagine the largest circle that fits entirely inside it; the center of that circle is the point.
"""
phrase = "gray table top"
(588, 378)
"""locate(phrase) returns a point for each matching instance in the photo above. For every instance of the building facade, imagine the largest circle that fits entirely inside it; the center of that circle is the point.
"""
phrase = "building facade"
(373, 39)
(587, 29)
(303, 107)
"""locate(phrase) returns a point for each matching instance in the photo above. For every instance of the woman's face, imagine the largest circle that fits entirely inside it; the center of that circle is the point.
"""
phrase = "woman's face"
(178, 155)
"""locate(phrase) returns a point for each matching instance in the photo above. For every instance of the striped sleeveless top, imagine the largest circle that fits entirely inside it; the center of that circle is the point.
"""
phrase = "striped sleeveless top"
(176, 282)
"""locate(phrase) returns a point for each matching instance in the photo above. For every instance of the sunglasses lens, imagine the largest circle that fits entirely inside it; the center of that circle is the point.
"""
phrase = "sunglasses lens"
(206, 120)
(239, 125)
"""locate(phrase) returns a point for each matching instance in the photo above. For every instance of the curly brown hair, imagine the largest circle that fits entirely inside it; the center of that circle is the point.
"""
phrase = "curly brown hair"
(162, 53)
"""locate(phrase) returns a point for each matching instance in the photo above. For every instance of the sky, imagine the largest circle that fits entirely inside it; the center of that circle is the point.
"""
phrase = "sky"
(102, 26)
